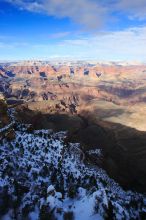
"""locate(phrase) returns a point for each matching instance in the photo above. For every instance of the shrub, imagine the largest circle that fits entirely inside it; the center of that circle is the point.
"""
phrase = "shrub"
(46, 214)
(68, 215)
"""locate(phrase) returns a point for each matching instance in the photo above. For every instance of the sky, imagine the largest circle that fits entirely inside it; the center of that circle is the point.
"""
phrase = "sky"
(102, 30)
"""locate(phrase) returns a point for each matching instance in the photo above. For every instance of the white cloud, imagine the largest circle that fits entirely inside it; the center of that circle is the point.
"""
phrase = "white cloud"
(59, 34)
(89, 13)
(126, 45)
(121, 45)
(134, 8)
(13, 45)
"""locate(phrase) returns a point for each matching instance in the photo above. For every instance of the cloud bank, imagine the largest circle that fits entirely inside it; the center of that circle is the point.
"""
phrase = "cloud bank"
(123, 45)
(128, 44)
(134, 8)
(88, 13)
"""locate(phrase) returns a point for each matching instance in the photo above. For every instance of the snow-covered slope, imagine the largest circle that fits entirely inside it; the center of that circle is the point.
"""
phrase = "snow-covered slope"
(43, 177)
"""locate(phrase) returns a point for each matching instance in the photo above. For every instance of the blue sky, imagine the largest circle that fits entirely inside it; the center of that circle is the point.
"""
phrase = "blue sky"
(105, 30)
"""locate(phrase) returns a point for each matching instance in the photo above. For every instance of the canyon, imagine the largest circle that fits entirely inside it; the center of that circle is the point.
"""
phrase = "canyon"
(98, 104)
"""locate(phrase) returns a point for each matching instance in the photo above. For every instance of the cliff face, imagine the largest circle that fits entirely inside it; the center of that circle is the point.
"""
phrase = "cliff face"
(6, 125)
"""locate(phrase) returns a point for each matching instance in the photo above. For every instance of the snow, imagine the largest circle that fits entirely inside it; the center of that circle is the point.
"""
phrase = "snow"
(97, 152)
(50, 172)
(83, 208)
(7, 127)
(51, 201)
(50, 189)
(58, 195)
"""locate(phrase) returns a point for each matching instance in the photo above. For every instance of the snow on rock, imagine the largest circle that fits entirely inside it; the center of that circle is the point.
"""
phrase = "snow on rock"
(97, 152)
(50, 189)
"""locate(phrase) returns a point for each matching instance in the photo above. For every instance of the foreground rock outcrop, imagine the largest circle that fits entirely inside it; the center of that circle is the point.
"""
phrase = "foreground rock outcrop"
(6, 124)
(43, 176)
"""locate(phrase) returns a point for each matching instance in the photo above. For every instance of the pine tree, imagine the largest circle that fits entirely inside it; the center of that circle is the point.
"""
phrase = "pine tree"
(109, 212)
(68, 215)
(46, 214)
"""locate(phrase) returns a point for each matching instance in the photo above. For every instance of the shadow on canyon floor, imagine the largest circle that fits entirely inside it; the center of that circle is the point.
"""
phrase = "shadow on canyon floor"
(124, 148)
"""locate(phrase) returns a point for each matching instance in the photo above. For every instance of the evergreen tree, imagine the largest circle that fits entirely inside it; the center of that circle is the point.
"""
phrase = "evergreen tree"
(46, 214)
(109, 212)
